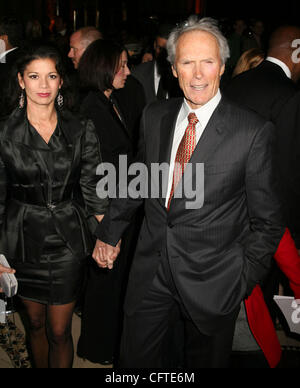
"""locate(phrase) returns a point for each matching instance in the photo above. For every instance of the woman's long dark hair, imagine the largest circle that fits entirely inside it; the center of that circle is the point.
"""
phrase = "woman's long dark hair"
(99, 64)
(27, 55)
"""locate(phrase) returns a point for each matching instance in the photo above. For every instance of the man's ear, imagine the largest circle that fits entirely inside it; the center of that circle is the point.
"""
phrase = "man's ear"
(174, 71)
(222, 70)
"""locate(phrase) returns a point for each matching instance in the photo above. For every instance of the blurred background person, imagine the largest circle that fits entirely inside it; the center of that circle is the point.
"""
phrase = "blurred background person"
(235, 42)
(248, 60)
(131, 97)
(156, 75)
(33, 31)
(269, 90)
(11, 36)
(80, 40)
(61, 35)
(45, 152)
(255, 36)
(102, 70)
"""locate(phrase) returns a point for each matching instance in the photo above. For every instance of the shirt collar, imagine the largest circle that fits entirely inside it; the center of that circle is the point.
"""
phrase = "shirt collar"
(3, 55)
(203, 113)
(283, 66)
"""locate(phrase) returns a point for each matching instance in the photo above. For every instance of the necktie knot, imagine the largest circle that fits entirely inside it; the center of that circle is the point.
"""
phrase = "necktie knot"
(193, 120)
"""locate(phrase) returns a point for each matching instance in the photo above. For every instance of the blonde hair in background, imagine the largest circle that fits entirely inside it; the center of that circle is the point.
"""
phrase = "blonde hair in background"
(248, 60)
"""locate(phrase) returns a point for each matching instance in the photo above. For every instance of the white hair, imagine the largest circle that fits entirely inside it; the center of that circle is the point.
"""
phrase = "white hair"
(193, 24)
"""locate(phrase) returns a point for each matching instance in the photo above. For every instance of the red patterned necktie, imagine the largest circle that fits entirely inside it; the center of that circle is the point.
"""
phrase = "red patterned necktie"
(184, 153)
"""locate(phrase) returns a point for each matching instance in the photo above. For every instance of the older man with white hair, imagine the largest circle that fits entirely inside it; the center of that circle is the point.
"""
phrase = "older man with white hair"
(203, 254)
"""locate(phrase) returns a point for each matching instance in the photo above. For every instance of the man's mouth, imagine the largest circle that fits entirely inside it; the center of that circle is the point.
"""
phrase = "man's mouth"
(198, 87)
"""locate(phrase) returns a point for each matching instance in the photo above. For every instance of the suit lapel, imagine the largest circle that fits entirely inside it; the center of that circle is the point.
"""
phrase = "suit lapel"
(167, 129)
(212, 135)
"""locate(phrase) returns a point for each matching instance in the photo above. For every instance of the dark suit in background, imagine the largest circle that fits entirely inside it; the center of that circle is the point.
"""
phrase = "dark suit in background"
(264, 89)
(268, 91)
(168, 85)
(11, 31)
(144, 73)
(5, 75)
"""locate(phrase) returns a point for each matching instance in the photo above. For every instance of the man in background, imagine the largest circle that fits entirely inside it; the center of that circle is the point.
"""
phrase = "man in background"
(269, 90)
(11, 35)
(156, 75)
(80, 40)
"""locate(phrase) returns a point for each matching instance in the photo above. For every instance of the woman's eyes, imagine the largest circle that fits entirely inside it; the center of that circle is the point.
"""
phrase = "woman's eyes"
(35, 76)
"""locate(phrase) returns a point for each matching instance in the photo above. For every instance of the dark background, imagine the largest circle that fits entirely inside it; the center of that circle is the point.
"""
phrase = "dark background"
(118, 11)
(132, 20)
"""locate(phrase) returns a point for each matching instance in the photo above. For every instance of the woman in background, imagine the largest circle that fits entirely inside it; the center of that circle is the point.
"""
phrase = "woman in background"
(103, 70)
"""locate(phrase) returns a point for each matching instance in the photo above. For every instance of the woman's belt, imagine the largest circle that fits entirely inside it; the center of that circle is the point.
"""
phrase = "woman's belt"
(46, 205)
(36, 196)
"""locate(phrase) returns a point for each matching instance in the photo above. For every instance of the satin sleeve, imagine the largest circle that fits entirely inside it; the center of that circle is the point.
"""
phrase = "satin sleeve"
(90, 160)
(3, 190)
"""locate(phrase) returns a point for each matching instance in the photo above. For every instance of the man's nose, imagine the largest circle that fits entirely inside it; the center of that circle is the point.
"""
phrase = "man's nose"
(198, 70)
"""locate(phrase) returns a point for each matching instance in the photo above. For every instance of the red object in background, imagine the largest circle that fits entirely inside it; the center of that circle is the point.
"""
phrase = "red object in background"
(259, 319)
(199, 6)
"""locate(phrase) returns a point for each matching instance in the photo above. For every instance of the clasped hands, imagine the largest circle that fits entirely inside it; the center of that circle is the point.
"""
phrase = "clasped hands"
(105, 255)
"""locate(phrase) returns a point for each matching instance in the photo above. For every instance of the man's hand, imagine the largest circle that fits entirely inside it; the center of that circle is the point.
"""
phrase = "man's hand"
(105, 255)
(5, 270)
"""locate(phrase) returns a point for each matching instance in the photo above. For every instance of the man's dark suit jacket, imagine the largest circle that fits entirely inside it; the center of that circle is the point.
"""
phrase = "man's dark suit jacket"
(264, 89)
(268, 91)
(5, 74)
(144, 73)
(218, 253)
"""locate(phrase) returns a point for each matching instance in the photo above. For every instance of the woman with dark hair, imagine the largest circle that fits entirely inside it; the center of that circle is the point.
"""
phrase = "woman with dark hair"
(45, 155)
(103, 70)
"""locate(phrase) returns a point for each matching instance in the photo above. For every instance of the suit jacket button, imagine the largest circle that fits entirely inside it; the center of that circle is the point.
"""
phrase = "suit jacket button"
(170, 225)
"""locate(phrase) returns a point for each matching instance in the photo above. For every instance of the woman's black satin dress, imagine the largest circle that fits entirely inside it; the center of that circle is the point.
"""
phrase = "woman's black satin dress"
(44, 229)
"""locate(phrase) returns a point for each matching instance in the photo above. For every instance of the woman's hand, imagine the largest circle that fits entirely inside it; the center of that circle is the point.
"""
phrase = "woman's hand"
(5, 270)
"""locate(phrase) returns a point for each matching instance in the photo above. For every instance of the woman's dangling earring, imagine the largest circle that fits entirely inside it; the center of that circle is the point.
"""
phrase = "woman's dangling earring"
(22, 99)
(60, 100)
